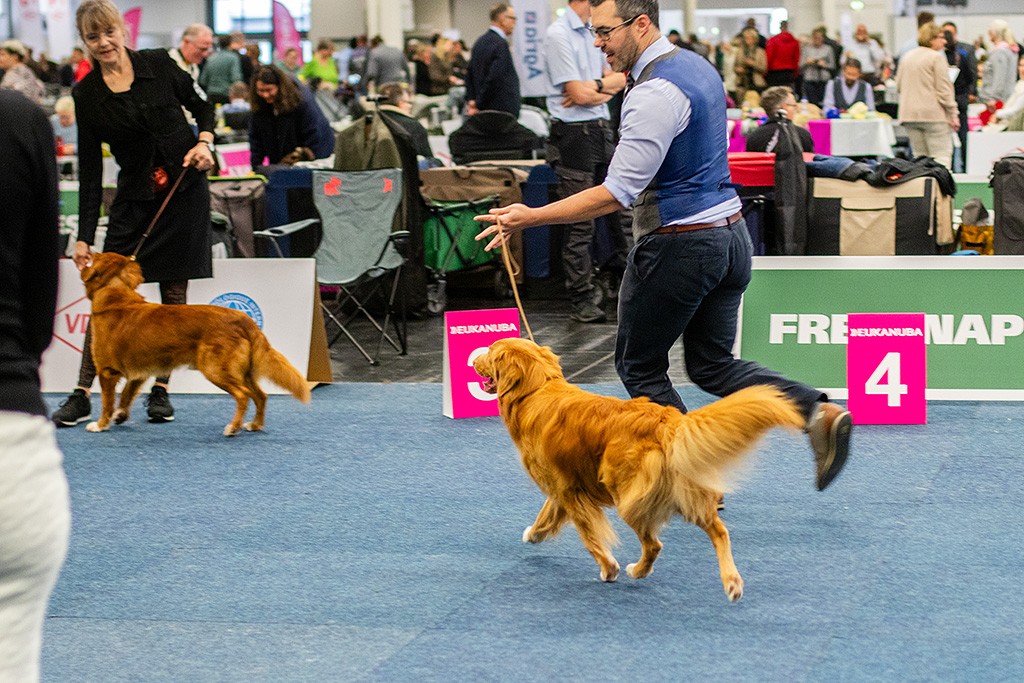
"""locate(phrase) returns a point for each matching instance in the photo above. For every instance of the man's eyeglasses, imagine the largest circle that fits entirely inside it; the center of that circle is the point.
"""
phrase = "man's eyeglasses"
(604, 33)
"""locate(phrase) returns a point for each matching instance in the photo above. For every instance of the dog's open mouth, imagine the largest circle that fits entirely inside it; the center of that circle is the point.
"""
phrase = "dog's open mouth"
(489, 385)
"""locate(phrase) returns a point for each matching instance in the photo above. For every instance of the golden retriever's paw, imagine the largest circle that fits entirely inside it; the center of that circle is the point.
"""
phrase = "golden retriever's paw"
(252, 427)
(528, 536)
(230, 430)
(610, 574)
(94, 427)
(120, 416)
(733, 588)
(632, 571)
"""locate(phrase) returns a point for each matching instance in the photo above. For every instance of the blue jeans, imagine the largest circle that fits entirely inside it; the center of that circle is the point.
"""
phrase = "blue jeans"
(689, 285)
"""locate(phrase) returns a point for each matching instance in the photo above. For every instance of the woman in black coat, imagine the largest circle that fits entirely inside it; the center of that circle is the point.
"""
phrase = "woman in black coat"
(287, 124)
(133, 102)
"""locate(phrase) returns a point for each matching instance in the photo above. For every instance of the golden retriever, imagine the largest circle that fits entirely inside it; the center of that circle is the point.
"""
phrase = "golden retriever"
(587, 452)
(134, 339)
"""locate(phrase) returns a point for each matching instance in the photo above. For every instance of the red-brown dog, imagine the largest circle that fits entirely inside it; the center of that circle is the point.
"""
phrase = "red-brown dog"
(135, 339)
(650, 462)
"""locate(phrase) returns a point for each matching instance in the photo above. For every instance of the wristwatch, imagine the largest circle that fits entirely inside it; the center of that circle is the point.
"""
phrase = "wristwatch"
(209, 143)
(600, 84)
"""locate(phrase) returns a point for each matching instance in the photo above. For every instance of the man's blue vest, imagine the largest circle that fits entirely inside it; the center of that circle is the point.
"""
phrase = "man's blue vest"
(695, 174)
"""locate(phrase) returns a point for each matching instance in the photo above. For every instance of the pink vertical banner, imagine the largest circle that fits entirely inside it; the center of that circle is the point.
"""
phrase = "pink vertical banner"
(467, 335)
(285, 34)
(132, 19)
(821, 133)
(886, 370)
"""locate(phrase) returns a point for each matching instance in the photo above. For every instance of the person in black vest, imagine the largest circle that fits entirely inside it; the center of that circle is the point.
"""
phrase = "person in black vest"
(133, 101)
(846, 90)
(492, 82)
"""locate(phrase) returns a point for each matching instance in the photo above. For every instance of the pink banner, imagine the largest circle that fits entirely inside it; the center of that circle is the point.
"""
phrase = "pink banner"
(285, 35)
(467, 335)
(886, 372)
(132, 19)
(821, 133)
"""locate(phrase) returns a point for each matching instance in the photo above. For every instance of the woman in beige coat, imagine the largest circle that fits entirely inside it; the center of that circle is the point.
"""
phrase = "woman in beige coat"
(751, 65)
(927, 106)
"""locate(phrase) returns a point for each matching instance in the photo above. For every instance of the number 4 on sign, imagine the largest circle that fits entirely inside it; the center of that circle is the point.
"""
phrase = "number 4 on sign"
(889, 369)
(886, 370)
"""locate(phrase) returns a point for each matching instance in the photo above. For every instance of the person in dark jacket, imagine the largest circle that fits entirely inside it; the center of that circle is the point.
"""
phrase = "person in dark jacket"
(492, 82)
(133, 102)
(287, 125)
(965, 86)
(34, 513)
(777, 100)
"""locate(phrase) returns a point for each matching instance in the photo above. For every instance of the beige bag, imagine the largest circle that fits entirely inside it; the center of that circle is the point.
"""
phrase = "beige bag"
(857, 219)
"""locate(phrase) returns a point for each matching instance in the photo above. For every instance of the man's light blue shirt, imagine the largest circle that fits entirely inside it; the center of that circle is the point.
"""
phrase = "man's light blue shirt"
(570, 55)
(653, 114)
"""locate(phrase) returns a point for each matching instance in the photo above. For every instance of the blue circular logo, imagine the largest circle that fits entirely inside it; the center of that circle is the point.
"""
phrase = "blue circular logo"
(240, 302)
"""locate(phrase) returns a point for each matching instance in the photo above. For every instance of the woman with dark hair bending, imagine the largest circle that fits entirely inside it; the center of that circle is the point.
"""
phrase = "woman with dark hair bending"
(133, 102)
(287, 125)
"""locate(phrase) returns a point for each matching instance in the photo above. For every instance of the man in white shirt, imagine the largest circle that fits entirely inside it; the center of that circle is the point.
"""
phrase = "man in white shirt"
(196, 43)
(581, 143)
(692, 259)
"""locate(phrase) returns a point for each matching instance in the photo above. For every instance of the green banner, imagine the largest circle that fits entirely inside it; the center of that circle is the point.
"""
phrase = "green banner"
(69, 207)
(794, 317)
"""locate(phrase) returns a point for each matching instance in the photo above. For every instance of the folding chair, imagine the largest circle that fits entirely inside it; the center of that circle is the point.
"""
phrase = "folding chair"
(359, 255)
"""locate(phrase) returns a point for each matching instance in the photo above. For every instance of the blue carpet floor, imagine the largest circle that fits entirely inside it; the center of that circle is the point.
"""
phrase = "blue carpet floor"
(367, 538)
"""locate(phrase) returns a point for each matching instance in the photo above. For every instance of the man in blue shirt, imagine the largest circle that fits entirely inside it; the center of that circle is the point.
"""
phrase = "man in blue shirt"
(692, 259)
(580, 144)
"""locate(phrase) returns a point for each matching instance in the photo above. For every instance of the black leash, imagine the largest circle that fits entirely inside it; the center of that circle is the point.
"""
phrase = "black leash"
(159, 213)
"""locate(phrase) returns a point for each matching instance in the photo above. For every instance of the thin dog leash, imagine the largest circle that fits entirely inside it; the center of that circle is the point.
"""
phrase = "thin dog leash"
(512, 268)
(159, 212)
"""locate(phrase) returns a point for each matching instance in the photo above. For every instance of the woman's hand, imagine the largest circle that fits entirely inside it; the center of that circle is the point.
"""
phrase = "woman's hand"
(199, 156)
(83, 254)
(504, 220)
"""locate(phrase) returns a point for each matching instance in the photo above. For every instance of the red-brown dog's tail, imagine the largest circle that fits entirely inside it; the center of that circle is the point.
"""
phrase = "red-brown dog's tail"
(713, 440)
(270, 363)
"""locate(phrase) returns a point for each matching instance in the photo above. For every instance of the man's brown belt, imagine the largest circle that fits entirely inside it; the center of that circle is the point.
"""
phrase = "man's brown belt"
(721, 223)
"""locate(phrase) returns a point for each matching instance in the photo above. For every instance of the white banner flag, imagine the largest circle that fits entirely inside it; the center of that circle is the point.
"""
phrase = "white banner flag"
(533, 17)
(28, 25)
(59, 30)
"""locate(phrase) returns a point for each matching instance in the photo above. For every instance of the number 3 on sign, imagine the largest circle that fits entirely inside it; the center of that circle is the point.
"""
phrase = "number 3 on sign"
(889, 369)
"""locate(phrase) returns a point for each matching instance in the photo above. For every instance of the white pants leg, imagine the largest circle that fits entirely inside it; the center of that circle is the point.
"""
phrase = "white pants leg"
(35, 520)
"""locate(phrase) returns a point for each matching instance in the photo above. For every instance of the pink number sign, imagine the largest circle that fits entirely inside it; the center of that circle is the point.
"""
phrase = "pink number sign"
(467, 335)
(886, 374)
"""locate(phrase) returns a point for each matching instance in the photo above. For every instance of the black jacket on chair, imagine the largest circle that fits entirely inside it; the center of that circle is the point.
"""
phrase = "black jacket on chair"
(492, 81)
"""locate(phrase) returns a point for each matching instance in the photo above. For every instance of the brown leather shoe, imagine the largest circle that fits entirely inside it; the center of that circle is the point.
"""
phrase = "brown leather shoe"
(829, 428)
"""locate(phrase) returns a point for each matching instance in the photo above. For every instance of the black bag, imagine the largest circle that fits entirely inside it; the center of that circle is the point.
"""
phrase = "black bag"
(790, 235)
(1007, 183)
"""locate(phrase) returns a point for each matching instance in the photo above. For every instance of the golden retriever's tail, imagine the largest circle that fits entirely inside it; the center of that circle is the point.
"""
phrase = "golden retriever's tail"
(270, 363)
(713, 440)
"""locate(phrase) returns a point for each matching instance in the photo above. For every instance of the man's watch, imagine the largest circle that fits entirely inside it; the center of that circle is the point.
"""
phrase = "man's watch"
(209, 143)
(600, 84)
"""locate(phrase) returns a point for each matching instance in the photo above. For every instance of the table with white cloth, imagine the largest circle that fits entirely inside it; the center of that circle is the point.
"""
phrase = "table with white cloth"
(985, 148)
(853, 137)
